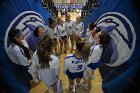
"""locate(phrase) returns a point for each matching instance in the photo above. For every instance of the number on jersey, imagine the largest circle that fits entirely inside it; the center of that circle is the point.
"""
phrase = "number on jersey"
(79, 67)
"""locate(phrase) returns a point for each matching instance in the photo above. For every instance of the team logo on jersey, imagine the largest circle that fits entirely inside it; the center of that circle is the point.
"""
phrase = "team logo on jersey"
(27, 22)
(123, 37)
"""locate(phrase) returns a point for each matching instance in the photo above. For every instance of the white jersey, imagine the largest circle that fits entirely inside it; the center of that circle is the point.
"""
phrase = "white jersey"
(88, 34)
(79, 29)
(61, 30)
(91, 40)
(95, 54)
(73, 64)
(16, 54)
(49, 75)
(69, 26)
(53, 33)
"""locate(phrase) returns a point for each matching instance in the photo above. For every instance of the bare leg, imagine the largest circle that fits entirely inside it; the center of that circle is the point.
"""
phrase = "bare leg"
(78, 81)
(92, 75)
(54, 87)
(65, 45)
(77, 87)
(61, 45)
(87, 73)
(72, 42)
(71, 83)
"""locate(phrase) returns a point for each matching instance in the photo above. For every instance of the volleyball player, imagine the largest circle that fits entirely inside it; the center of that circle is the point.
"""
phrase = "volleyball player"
(69, 26)
(75, 63)
(62, 35)
(46, 66)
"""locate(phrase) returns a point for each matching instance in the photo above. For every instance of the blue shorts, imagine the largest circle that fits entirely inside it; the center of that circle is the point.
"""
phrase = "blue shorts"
(64, 38)
(93, 66)
(74, 75)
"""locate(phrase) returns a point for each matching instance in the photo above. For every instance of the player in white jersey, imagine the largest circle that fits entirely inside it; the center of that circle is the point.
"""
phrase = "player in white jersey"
(79, 27)
(102, 40)
(88, 73)
(69, 26)
(19, 48)
(75, 63)
(18, 51)
(45, 65)
(92, 30)
(53, 33)
(62, 35)
(90, 33)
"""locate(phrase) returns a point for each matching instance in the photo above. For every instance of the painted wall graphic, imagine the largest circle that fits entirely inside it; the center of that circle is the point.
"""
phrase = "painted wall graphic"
(24, 15)
(121, 61)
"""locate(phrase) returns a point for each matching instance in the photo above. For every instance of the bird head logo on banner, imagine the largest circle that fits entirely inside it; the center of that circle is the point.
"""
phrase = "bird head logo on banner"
(26, 22)
(123, 38)
(25, 16)
(120, 61)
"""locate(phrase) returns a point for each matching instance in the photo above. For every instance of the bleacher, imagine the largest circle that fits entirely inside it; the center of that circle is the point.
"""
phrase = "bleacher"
(50, 6)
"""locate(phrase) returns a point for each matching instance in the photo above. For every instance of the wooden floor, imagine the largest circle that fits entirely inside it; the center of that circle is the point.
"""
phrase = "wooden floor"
(95, 85)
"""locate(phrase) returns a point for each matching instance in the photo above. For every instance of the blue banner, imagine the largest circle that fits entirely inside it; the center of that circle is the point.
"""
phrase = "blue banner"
(23, 15)
(120, 19)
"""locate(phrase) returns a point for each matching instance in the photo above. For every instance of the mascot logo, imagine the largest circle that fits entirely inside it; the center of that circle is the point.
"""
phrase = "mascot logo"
(26, 22)
(123, 37)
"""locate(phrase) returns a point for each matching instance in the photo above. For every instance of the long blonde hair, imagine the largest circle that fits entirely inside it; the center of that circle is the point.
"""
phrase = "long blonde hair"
(83, 47)
(58, 20)
(44, 51)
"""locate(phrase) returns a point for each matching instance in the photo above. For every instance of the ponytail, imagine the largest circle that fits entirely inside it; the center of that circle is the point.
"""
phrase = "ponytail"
(83, 48)
(85, 51)
(44, 51)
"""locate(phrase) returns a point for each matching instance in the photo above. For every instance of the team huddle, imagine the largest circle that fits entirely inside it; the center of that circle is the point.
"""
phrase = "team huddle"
(40, 52)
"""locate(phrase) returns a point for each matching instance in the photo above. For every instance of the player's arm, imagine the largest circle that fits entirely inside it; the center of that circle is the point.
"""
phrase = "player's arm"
(73, 27)
(82, 28)
(95, 55)
(58, 33)
(20, 57)
(65, 65)
(34, 68)
(65, 29)
(57, 67)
